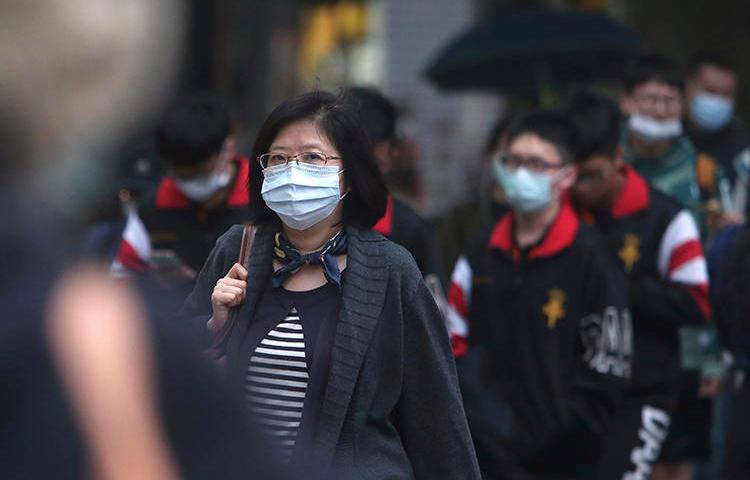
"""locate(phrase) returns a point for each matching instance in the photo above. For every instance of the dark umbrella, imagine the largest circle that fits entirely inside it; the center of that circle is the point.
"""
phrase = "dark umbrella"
(533, 51)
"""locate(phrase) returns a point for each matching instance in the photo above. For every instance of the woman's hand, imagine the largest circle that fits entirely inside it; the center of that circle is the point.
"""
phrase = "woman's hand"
(228, 292)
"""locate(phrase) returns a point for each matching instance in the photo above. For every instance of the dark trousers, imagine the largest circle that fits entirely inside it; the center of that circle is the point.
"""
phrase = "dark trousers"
(636, 435)
(737, 456)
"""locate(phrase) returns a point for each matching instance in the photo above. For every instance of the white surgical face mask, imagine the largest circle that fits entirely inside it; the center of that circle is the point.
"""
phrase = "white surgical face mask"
(301, 195)
(202, 188)
(525, 190)
(711, 112)
(652, 130)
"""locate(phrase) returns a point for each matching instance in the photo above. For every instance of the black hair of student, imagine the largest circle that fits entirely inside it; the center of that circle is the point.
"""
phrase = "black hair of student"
(653, 68)
(710, 57)
(366, 201)
(378, 114)
(552, 126)
(192, 131)
(597, 121)
(498, 130)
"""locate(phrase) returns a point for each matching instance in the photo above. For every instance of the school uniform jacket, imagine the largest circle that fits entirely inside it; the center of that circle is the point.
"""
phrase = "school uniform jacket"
(657, 244)
(543, 344)
(174, 222)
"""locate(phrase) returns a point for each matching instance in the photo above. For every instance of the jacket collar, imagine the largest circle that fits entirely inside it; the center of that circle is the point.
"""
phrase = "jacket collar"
(362, 299)
(169, 195)
(559, 236)
(385, 224)
(634, 196)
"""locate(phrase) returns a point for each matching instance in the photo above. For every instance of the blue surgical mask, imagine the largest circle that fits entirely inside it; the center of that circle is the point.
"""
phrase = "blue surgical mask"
(301, 195)
(711, 112)
(525, 190)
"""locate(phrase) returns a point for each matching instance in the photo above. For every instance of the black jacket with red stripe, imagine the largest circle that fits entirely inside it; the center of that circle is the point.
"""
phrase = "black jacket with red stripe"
(657, 244)
(174, 222)
(543, 345)
(402, 225)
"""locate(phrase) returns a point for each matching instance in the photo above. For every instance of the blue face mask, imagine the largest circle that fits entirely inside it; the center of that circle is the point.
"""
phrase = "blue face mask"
(711, 112)
(525, 190)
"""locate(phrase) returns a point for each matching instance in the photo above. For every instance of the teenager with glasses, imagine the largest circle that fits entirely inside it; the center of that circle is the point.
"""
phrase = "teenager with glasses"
(338, 347)
(538, 319)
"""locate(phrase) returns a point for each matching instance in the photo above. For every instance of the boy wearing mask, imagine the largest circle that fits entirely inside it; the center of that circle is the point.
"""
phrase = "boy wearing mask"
(712, 125)
(657, 245)
(538, 318)
(203, 194)
(656, 146)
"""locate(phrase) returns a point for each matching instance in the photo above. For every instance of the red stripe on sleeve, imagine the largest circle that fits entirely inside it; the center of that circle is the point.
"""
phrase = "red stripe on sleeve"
(684, 253)
(457, 299)
(129, 258)
(459, 345)
(700, 295)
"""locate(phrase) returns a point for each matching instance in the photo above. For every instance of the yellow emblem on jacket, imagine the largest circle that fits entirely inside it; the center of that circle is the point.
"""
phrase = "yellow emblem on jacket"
(630, 252)
(554, 309)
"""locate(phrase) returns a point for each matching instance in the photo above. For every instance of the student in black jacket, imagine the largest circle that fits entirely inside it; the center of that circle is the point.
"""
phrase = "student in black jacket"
(538, 319)
(657, 245)
(203, 193)
(400, 223)
(338, 346)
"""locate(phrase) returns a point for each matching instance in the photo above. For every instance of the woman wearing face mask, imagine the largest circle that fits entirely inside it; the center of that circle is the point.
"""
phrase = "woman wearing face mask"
(338, 346)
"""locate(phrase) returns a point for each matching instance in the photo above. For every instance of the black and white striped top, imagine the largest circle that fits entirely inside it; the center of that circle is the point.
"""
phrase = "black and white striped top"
(277, 380)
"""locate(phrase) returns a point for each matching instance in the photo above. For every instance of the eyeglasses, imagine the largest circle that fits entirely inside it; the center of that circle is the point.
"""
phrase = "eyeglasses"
(533, 163)
(650, 101)
(310, 158)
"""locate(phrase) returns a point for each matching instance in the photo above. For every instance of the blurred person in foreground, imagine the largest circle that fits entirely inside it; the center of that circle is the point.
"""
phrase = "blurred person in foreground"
(539, 321)
(338, 345)
(712, 124)
(203, 194)
(657, 148)
(729, 262)
(400, 223)
(92, 385)
(657, 245)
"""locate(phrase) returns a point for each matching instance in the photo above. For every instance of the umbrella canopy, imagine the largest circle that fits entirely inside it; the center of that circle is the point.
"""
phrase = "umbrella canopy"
(527, 52)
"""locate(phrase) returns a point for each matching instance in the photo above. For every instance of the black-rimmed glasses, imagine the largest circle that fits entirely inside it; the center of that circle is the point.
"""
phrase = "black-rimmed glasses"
(533, 163)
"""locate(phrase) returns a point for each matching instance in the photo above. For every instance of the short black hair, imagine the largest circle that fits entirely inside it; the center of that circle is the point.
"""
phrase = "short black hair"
(498, 130)
(377, 113)
(709, 57)
(551, 126)
(192, 131)
(653, 68)
(597, 121)
(366, 201)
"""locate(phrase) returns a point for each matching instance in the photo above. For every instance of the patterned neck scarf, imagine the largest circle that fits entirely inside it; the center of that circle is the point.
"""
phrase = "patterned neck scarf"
(289, 256)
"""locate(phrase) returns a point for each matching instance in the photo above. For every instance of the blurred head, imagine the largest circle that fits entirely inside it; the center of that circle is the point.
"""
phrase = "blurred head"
(76, 77)
(194, 138)
(378, 117)
(711, 90)
(599, 158)
(537, 165)
(324, 125)
(653, 98)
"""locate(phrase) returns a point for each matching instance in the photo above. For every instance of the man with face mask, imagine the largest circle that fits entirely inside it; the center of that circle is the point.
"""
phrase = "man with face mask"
(203, 194)
(711, 122)
(657, 148)
(655, 144)
(538, 318)
(656, 243)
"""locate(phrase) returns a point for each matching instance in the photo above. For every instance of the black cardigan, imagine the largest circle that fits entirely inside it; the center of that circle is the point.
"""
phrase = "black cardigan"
(391, 408)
